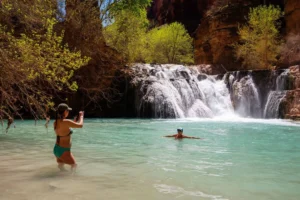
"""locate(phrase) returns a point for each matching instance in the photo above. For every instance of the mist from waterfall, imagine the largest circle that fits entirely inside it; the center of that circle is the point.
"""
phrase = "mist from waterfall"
(176, 91)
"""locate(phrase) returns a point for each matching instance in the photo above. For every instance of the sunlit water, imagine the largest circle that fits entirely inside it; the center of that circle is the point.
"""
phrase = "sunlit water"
(239, 159)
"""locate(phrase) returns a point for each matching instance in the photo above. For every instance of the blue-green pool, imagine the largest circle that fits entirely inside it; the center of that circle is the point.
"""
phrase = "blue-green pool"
(239, 159)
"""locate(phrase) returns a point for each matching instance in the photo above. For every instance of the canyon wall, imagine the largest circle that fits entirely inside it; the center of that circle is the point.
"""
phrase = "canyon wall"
(215, 30)
(292, 16)
(291, 104)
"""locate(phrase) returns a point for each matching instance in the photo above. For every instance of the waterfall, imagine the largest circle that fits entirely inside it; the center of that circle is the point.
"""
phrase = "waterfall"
(272, 108)
(282, 80)
(273, 103)
(176, 91)
(244, 94)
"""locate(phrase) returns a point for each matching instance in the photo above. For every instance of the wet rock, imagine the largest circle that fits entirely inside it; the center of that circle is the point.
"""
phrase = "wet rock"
(291, 106)
(202, 77)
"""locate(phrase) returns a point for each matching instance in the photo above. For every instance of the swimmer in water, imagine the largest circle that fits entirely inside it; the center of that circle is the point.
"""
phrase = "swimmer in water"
(180, 135)
(62, 127)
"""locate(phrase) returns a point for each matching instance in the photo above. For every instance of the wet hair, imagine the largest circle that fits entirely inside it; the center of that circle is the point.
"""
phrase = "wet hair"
(180, 129)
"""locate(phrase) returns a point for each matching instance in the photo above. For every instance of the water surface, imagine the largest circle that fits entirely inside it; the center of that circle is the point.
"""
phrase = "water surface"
(239, 159)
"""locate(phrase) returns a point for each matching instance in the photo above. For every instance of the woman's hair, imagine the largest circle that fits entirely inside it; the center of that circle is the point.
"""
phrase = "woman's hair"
(59, 115)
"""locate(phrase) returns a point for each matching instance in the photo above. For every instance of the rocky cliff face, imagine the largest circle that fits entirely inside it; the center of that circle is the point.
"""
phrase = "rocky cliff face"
(188, 12)
(292, 16)
(216, 33)
(291, 104)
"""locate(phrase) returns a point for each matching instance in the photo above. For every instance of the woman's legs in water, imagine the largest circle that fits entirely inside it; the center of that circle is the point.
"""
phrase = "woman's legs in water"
(73, 168)
(67, 158)
(61, 164)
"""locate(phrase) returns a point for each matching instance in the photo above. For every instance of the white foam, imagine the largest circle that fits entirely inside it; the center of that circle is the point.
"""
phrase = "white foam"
(237, 119)
(169, 189)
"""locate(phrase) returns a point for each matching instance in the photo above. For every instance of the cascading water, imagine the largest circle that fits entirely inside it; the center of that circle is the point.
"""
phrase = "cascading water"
(175, 91)
(272, 108)
(273, 103)
(282, 80)
(244, 94)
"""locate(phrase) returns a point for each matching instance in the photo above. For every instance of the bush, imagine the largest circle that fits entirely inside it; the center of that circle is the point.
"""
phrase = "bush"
(260, 41)
(127, 35)
(166, 44)
(169, 44)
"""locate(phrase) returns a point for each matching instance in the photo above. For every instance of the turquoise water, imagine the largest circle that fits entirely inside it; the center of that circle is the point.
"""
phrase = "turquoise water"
(239, 159)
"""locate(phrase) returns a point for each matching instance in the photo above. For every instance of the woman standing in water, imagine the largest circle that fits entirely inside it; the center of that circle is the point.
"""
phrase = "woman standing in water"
(62, 127)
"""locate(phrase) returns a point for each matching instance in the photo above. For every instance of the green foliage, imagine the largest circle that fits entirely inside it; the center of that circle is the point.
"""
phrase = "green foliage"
(111, 8)
(260, 38)
(166, 44)
(127, 35)
(34, 61)
(134, 6)
(169, 44)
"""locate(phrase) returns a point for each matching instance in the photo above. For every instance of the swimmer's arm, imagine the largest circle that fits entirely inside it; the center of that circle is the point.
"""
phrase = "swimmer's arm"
(170, 135)
(192, 137)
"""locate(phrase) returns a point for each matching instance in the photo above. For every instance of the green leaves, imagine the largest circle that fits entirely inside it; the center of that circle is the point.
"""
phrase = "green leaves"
(35, 63)
(127, 35)
(260, 38)
(166, 44)
(169, 44)
(135, 7)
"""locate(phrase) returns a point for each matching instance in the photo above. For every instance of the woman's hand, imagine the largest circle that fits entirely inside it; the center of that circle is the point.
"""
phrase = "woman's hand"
(81, 113)
(78, 123)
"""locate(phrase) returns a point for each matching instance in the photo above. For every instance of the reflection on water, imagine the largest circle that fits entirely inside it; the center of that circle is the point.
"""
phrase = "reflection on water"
(129, 159)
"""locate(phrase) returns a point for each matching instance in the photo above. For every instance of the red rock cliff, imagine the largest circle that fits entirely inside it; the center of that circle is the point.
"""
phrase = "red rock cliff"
(188, 12)
(215, 34)
(292, 16)
(291, 104)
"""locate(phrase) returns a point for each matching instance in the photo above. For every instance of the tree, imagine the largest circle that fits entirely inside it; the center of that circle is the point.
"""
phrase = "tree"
(166, 44)
(34, 62)
(169, 44)
(260, 40)
(127, 34)
(109, 8)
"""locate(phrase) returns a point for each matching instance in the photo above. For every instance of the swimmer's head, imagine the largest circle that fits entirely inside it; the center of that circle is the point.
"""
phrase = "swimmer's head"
(180, 130)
